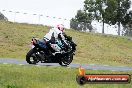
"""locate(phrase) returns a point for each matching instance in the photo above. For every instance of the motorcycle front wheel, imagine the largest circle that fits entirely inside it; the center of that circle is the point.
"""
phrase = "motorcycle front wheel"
(66, 60)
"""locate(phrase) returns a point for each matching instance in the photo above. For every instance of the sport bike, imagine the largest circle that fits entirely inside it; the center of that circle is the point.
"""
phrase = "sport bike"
(62, 53)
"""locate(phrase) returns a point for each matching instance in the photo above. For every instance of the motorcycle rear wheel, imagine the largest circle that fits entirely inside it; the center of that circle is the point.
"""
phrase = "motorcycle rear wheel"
(31, 57)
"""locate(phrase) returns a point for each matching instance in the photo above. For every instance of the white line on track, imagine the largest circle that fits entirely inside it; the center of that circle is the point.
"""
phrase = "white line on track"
(5, 63)
(20, 64)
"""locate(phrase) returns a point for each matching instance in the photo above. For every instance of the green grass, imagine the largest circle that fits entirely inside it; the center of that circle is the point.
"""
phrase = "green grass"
(92, 48)
(29, 76)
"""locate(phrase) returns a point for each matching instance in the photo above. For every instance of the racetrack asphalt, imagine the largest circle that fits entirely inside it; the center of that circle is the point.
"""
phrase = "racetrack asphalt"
(72, 65)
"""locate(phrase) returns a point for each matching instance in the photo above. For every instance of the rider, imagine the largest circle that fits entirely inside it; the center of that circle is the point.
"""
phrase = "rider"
(54, 34)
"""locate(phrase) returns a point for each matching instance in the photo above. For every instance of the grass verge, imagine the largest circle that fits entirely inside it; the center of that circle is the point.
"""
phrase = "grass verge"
(29, 76)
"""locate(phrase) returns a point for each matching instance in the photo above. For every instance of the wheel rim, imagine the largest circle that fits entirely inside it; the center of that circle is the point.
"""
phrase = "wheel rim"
(67, 59)
(33, 59)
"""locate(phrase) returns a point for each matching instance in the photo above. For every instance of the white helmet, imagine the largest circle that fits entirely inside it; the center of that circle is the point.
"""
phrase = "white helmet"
(60, 27)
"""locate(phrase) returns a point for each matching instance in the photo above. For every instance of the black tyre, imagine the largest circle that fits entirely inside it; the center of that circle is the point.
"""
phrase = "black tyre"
(31, 57)
(66, 60)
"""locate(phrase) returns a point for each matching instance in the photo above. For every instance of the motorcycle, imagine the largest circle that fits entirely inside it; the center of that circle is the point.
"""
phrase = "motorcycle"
(63, 53)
